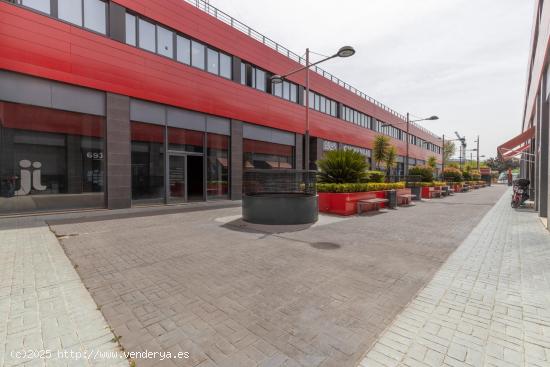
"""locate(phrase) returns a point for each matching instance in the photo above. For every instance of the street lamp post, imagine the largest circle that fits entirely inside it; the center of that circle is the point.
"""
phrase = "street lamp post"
(345, 51)
(409, 122)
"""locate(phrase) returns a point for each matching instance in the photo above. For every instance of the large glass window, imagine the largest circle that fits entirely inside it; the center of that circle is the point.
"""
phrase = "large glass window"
(260, 79)
(147, 36)
(217, 167)
(185, 140)
(213, 61)
(40, 5)
(197, 54)
(147, 162)
(165, 42)
(243, 73)
(70, 10)
(95, 15)
(183, 50)
(286, 90)
(50, 159)
(130, 29)
(225, 66)
(260, 154)
(277, 89)
(294, 93)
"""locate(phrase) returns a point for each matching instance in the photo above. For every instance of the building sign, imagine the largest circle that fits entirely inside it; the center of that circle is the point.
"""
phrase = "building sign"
(363, 151)
(329, 145)
(31, 175)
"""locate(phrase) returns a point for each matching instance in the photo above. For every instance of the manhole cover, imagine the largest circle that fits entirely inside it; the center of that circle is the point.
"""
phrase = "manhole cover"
(325, 245)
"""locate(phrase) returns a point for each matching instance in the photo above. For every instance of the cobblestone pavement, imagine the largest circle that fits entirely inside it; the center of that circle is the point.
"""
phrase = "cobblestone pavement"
(232, 294)
(488, 305)
(44, 305)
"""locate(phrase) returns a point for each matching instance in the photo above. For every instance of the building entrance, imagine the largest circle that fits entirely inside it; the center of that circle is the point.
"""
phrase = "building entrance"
(185, 178)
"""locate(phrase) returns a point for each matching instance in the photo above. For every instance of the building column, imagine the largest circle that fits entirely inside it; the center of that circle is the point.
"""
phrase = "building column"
(543, 158)
(299, 152)
(236, 161)
(315, 149)
(119, 179)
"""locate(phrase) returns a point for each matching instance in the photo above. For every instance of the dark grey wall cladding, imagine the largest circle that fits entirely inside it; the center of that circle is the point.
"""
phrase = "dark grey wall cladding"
(269, 135)
(147, 112)
(186, 119)
(299, 162)
(154, 113)
(218, 125)
(119, 179)
(236, 166)
(29, 90)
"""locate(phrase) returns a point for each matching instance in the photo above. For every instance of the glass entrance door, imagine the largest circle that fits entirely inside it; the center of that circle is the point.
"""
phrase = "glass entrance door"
(176, 179)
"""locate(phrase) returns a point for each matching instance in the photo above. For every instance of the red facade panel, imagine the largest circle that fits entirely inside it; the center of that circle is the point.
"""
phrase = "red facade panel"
(37, 45)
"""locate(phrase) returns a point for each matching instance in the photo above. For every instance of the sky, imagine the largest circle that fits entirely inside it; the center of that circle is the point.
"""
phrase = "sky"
(462, 60)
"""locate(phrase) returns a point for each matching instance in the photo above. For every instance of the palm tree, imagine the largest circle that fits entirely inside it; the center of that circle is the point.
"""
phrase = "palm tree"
(380, 149)
(390, 160)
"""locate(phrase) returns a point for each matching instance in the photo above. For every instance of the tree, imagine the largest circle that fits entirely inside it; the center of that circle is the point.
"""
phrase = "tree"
(391, 160)
(498, 164)
(342, 166)
(432, 161)
(380, 149)
(449, 149)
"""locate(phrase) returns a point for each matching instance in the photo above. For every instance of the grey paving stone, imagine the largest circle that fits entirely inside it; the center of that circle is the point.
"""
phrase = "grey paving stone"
(492, 282)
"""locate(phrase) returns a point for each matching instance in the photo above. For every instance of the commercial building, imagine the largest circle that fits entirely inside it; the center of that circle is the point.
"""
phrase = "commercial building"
(531, 145)
(109, 104)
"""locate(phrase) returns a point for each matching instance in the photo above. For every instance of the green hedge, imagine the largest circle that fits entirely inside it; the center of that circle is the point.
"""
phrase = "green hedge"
(427, 184)
(358, 187)
(375, 176)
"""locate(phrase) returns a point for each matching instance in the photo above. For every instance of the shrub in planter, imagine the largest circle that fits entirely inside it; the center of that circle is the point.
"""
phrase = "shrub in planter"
(342, 166)
(375, 176)
(475, 175)
(452, 174)
(426, 172)
(466, 176)
(358, 187)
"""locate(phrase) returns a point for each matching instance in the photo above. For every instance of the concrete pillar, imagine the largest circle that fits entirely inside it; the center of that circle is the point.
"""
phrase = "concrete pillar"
(119, 178)
(299, 152)
(236, 161)
(543, 158)
(315, 149)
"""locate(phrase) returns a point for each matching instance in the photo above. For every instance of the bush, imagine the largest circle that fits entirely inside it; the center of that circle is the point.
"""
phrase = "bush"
(475, 175)
(452, 174)
(426, 172)
(358, 187)
(342, 166)
(466, 176)
(375, 176)
(427, 184)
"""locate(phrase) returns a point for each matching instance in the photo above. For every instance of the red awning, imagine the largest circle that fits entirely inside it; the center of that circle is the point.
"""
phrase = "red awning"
(513, 144)
(513, 153)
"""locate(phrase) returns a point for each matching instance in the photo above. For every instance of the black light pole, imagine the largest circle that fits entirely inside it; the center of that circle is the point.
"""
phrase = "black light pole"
(345, 51)
(409, 122)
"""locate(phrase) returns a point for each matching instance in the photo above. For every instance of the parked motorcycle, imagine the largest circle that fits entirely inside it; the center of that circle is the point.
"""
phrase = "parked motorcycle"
(520, 192)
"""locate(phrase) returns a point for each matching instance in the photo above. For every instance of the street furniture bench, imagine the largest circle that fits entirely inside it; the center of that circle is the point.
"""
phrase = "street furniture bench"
(434, 192)
(406, 199)
(373, 203)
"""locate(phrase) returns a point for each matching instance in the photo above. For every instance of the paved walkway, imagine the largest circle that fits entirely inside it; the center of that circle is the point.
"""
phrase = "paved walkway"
(489, 304)
(44, 305)
(233, 294)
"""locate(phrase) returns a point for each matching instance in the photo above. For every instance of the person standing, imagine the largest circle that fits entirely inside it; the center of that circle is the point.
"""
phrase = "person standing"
(509, 177)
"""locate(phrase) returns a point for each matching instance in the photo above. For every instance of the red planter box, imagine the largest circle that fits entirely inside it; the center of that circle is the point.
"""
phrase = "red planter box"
(426, 191)
(346, 203)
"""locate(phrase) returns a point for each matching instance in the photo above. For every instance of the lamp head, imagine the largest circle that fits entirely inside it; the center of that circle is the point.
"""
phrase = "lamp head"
(276, 79)
(345, 51)
(432, 118)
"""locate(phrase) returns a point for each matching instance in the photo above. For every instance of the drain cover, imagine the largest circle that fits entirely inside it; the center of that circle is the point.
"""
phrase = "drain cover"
(325, 245)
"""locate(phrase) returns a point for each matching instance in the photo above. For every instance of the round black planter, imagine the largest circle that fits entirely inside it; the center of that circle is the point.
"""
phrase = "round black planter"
(280, 209)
